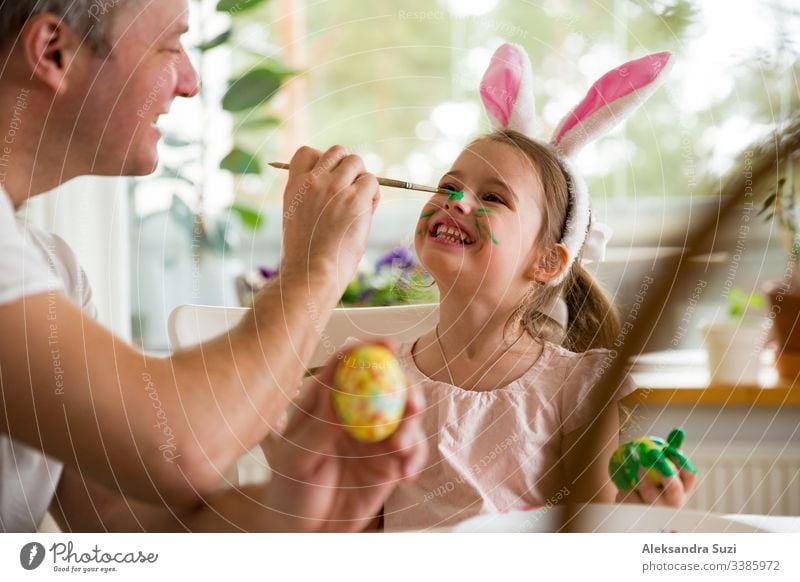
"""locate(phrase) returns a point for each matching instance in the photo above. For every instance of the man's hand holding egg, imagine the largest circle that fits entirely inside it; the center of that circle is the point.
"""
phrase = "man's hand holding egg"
(334, 474)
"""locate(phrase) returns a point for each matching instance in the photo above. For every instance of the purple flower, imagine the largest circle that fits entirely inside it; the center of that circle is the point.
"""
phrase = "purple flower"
(399, 257)
(267, 273)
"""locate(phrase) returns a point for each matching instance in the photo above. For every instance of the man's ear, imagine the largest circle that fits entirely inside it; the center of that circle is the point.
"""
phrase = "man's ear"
(550, 264)
(50, 47)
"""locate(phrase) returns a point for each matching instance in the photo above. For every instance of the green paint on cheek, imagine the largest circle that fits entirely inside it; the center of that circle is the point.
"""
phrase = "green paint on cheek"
(427, 214)
(482, 228)
(419, 231)
(481, 212)
(455, 196)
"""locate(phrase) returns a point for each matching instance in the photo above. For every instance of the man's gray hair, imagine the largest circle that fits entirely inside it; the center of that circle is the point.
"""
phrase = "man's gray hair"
(89, 19)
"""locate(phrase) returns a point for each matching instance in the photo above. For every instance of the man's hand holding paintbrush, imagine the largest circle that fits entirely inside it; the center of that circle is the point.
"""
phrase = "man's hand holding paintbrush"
(325, 191)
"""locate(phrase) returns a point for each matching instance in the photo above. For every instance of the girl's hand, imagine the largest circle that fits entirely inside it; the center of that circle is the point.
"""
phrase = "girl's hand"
(325, 480)
(673, 491)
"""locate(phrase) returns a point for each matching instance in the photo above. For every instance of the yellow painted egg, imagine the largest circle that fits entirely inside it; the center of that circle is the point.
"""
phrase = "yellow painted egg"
(369, 393)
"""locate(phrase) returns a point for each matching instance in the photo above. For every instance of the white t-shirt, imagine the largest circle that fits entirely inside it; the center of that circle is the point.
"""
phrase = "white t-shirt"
(31, 262)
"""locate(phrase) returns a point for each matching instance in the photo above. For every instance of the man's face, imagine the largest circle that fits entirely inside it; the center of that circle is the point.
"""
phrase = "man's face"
(131, 87)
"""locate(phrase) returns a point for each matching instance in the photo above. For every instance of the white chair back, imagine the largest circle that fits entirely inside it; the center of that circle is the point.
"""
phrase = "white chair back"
(193, 324)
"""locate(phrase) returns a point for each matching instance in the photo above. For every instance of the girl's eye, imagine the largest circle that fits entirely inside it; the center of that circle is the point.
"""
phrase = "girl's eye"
(492, 197)
(450, 187)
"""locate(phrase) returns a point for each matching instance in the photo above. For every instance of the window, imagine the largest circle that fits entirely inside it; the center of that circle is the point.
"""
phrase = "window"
(396, 83)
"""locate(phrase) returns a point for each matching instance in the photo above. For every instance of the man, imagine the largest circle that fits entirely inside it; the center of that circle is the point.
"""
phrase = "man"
(76, 97)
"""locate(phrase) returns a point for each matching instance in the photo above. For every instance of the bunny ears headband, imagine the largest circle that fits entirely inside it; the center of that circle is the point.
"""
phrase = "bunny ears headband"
(507, 94)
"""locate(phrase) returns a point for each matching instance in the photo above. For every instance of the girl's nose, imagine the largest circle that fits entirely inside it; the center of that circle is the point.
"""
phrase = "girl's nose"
(460, 201)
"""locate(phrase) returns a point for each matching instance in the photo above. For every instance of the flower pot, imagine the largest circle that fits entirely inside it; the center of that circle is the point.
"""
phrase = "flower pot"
(785, 312)
(734, 350)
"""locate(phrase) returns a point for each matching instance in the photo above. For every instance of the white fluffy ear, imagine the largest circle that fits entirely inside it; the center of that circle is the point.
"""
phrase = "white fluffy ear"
(507, 90)
(613, 97)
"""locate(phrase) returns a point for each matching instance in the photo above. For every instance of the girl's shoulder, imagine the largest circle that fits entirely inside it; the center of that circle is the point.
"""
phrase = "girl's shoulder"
(560, 356)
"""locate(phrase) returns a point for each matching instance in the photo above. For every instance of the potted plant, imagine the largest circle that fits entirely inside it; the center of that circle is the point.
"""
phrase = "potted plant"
(396, 278)
(734, 345)
(184, 253)
(781, 206)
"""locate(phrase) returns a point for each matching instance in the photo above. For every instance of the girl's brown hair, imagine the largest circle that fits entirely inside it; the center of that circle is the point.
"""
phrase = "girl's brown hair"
(593, 321)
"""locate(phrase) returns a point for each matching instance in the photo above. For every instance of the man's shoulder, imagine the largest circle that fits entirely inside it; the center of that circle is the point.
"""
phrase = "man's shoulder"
(61, 261)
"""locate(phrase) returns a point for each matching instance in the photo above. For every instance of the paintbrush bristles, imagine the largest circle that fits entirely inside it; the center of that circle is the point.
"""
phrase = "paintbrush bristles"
(390, 183)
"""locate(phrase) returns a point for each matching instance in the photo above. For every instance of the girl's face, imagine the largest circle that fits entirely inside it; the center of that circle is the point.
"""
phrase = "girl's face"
(486, 239)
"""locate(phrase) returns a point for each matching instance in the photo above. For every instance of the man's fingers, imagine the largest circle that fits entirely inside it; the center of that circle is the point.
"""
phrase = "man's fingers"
(304, 160)
(329, 160)
(369, 182)
(347, 172)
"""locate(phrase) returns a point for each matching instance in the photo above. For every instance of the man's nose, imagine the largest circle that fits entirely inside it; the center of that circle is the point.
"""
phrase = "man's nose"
(188, 81)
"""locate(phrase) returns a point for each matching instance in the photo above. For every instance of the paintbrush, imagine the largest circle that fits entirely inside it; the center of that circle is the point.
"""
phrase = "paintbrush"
(389, 182)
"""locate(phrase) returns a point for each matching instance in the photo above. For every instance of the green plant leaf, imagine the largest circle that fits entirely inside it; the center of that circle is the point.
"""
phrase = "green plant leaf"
(260, 122)
(218, 40)
(240, 162)
(236, 6)
(249, 216)
(739, 302)
(252, 89)
(768, 202)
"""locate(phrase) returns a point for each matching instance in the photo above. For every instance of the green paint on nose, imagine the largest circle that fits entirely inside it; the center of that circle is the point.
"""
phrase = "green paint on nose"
(455, 196)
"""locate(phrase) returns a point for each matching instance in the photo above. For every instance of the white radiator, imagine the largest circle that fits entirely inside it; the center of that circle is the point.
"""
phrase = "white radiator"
(761, 479)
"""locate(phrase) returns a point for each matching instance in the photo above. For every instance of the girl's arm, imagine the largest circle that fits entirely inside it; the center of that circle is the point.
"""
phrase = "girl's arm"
(585, 453)
(594, 444)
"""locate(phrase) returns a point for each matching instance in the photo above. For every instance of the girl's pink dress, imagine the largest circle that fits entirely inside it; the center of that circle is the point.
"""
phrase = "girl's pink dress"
(499, 450)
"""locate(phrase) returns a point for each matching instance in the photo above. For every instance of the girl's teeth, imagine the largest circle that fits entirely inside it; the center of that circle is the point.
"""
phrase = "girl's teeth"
(452, 234)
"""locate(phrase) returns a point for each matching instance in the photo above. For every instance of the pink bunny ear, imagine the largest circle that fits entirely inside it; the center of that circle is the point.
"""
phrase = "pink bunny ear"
(614, 97)
(507, 90)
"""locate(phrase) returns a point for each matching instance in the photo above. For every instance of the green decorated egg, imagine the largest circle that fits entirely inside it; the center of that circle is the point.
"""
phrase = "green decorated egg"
(658, 457)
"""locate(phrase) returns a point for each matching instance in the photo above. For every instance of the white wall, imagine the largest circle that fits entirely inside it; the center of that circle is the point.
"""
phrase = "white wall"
(92, 215)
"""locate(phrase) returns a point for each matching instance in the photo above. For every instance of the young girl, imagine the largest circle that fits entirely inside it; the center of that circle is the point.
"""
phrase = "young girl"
(510, 371)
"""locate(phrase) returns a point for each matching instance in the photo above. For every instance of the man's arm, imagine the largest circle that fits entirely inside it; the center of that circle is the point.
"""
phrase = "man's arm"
(323, 480)
(165, 430)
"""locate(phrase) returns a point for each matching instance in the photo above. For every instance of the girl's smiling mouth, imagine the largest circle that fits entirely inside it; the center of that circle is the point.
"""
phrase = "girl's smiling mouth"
(450, 231)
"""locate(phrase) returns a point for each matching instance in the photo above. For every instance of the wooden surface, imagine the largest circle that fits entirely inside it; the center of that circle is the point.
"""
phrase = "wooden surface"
(688, 385)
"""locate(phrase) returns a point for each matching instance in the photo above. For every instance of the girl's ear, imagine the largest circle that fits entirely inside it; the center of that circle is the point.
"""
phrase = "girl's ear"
(550, 265)
(507, 90)
(613, 97)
